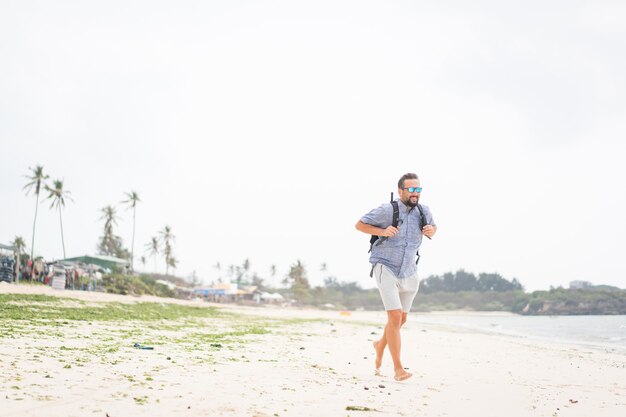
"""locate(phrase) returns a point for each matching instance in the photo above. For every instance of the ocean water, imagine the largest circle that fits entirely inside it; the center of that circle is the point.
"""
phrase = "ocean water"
(593, 331)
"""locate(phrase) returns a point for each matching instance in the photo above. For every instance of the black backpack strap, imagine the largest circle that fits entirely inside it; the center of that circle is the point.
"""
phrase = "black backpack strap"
(373, 240)
(396, 213)
(395, 217)
(422, 217)
(422, 224)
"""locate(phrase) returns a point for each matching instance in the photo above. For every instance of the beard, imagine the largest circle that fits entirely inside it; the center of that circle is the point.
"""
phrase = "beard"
(412, 201)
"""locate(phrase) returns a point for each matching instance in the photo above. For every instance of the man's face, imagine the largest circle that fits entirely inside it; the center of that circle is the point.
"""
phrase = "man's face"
(410, 198)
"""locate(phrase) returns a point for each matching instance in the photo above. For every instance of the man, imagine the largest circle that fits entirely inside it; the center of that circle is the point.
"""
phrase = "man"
(394, 263)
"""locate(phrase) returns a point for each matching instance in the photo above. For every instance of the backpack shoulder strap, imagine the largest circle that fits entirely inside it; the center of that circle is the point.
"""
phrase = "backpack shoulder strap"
(396, 213)
(422, 224)
(422, 217)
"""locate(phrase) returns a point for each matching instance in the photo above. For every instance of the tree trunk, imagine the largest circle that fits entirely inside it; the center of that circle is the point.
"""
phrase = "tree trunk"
(17, 268)
(132, 248)
(32, 243)
(62, 239)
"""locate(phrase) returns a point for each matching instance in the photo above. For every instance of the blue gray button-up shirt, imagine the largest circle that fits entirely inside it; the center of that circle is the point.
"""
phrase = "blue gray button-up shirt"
(398, 252)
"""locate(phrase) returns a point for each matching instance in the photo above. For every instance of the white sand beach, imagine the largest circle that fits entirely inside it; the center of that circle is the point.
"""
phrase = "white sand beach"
(304, 368)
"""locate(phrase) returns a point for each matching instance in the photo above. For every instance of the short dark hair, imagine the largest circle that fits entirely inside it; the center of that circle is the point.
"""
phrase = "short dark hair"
(407, 176)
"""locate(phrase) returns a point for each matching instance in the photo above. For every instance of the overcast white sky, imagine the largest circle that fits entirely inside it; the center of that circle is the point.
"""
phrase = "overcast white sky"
(265, 129)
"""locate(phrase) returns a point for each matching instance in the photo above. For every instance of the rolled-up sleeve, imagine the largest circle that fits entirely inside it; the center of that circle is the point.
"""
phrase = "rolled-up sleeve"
(379, 217)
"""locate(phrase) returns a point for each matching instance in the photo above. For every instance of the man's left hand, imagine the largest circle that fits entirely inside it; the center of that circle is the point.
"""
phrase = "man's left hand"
(429, 230)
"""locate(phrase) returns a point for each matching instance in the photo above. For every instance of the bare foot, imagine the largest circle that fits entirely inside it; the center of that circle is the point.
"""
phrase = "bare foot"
(379, 357)
(403, 376)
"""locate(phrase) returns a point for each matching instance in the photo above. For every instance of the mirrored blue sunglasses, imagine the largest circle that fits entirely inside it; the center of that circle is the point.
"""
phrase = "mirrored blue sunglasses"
(413, 189)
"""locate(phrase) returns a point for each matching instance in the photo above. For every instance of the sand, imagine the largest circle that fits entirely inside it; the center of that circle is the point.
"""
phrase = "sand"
(312, 368)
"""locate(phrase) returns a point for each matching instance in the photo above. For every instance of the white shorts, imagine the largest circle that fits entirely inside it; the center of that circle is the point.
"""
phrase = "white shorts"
(396, 293)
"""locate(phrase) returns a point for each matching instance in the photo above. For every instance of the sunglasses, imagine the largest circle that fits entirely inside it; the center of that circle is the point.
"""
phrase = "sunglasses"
(413, 189)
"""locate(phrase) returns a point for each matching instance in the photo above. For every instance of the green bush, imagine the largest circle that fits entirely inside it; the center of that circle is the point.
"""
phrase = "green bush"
(135, 285)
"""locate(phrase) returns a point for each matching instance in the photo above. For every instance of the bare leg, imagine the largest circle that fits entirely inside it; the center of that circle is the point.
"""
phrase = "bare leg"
(379, 347)
(381, 344)
(391, 337)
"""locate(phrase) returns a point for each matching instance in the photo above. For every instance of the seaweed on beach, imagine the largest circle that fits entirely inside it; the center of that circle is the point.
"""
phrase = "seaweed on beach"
(45, 309)
(191, 327)
(359, 408)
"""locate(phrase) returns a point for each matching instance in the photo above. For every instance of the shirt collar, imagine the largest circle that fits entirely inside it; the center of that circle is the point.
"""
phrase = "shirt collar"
(405, 208)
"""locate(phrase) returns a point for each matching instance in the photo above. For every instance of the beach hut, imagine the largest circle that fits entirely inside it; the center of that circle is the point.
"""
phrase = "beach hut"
(107, 262)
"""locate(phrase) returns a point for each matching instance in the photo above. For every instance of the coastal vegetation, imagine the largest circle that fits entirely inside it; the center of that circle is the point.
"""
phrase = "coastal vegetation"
(562, 301)
(451, 291)
(137, 285)
(462, 290)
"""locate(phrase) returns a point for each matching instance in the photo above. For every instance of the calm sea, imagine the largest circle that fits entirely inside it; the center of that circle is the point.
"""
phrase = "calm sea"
(593, 331)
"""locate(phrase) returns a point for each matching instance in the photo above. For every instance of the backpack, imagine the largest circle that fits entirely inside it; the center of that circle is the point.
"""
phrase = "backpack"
(394, 222)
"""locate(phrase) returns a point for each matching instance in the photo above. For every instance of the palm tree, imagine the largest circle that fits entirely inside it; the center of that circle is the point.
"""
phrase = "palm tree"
(19, 244)
(133, 198)
(58, 196)
(243, 271)
(36, 181)
(273, 271)
(300, 286)
(167, 237)
(153, 250)
(218, 266)
(172, 262)
(109, 244)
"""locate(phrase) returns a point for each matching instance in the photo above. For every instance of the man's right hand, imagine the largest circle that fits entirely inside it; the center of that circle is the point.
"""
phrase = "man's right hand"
(389, 231)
